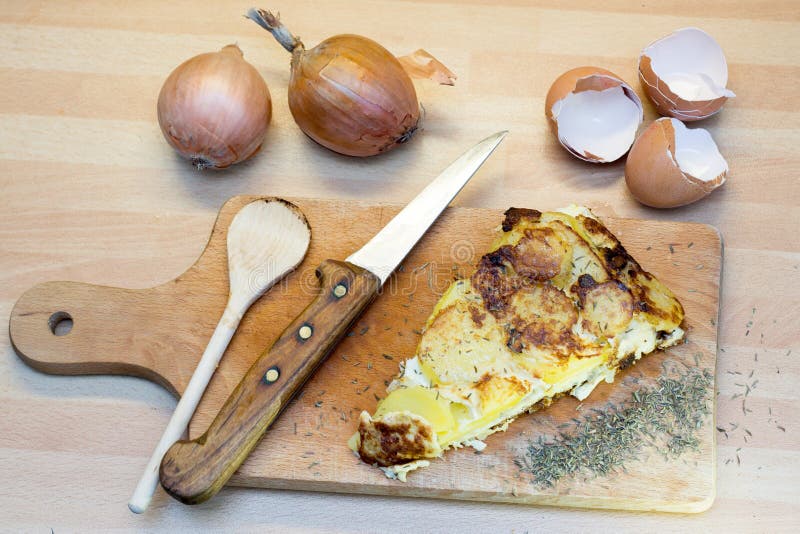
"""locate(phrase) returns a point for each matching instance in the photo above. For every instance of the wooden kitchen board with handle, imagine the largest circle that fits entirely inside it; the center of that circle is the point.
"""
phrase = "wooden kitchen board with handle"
(160, 333)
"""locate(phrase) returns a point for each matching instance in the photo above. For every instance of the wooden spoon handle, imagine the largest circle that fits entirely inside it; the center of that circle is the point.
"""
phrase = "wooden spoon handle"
(186, 407)
(194, 471)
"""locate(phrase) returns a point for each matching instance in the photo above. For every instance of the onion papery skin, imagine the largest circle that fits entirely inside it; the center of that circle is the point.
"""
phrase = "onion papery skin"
(351, 95)
(214, 109)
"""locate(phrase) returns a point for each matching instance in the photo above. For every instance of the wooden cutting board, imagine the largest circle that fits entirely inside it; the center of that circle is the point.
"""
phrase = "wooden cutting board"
(160, 333)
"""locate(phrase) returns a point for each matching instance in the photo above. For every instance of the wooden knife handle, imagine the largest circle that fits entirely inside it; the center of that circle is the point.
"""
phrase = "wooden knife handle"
(194, 471)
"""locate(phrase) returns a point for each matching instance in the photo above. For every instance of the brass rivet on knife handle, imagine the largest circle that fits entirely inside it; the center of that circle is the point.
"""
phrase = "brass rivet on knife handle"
(272, 375)
(194, 471)
(305, 332)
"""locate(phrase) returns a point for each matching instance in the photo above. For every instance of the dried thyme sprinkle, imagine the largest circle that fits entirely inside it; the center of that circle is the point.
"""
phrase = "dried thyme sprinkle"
(666, 416)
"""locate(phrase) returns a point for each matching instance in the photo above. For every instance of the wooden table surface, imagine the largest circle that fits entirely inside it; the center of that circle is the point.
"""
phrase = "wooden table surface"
(91, 192)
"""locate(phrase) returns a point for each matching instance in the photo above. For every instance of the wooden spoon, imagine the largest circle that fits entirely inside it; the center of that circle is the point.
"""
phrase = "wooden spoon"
(266, 240)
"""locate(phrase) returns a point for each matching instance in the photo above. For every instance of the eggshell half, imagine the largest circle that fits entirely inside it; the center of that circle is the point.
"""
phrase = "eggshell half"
(685, 74)
(671, 165)
(594, 114)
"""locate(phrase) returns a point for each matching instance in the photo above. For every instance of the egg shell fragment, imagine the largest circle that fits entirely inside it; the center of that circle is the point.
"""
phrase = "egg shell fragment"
(671, 165)
(685, 74)
(594, 114)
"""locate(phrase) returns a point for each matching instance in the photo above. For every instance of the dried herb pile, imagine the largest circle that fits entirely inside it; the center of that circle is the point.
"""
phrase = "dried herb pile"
(666, 416)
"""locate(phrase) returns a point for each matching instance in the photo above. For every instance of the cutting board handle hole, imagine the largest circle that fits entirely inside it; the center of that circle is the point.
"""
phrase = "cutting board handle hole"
(60, 323)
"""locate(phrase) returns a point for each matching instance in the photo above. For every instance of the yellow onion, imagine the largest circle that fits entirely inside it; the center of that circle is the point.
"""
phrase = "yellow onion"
(214, 109)
(348, 93)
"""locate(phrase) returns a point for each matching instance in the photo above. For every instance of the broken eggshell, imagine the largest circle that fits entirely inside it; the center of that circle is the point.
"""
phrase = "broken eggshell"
(685, 74)
(594, 114)
(671, 165)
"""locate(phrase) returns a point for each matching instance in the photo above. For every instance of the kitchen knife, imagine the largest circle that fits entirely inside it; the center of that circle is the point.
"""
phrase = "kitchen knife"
(194, 471)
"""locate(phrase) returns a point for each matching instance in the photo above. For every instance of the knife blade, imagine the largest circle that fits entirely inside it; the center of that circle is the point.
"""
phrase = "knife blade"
(384, 252)
(193, 471)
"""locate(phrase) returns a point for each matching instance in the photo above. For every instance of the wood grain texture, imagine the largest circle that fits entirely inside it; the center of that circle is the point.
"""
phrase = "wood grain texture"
(92, 193)
(306, 448)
